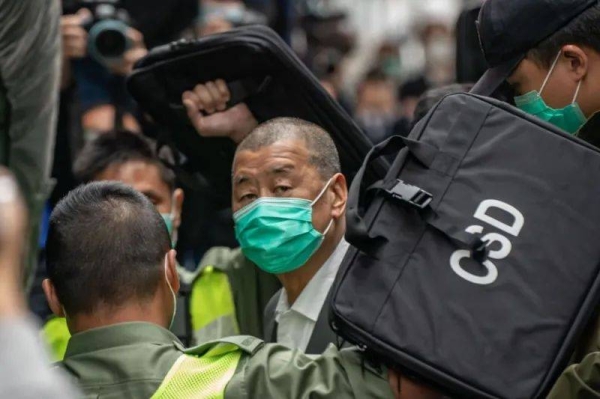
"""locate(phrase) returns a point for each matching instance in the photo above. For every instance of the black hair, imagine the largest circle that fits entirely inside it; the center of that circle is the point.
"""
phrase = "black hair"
(376, 75)
(413, 88)
(106, 245)
(118, 148)
(323, 154)
(583, 30)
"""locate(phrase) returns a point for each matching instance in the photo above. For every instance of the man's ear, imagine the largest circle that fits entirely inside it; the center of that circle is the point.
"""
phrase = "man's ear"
(178, 197)
(339, 187)
(50, 293)
(172, 275)
(578, 61)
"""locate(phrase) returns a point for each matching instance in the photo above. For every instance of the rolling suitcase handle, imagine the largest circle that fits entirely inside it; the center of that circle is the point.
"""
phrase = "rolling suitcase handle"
(357, 232)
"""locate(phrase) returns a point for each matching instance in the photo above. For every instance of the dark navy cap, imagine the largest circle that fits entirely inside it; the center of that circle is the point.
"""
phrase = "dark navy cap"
(508, 29)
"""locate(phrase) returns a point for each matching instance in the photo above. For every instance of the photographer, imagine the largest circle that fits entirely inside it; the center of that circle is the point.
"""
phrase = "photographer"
(99, 51)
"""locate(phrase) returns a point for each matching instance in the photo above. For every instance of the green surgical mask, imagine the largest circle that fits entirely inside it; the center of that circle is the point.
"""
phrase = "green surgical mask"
(569, 118)
(277, 234)
(169, 219)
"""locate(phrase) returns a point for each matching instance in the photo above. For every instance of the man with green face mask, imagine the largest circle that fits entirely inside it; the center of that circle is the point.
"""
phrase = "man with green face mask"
(289, 201)
(206, 305)
(549, 52)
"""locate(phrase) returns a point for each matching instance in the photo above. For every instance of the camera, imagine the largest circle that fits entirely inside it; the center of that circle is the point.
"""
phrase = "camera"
(107, 30)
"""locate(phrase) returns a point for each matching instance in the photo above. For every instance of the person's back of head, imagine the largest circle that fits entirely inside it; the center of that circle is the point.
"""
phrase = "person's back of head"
(109, 259)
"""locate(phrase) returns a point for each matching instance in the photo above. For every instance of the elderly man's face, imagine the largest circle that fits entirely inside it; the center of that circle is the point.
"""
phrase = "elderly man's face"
(279, 170)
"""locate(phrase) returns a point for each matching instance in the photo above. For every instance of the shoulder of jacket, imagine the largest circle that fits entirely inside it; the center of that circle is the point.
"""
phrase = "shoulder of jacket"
(247, 344)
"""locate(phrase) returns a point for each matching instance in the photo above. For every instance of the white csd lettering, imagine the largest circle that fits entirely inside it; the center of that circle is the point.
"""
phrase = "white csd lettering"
(491, 238)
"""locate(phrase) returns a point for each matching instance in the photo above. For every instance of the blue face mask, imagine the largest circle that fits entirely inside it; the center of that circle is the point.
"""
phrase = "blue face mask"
(277, 234)
(569, 118)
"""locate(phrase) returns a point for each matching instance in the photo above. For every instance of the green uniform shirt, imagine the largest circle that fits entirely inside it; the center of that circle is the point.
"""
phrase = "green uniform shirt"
(131, 360)
(582, 380)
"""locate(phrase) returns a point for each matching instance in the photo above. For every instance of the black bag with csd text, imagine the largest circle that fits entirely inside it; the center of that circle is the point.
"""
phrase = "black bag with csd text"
(476, 260)
(260, 70)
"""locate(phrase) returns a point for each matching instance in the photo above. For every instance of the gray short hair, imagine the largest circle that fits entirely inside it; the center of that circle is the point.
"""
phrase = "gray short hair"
(323, 154)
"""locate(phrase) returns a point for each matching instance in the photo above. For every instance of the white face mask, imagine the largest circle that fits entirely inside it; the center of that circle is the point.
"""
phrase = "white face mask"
(171, 289)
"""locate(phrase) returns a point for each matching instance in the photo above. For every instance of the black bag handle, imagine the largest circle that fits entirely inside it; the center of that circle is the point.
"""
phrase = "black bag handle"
(356, 230)
(357, 233)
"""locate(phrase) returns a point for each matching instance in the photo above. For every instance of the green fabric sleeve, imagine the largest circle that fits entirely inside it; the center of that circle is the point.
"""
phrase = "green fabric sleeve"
(579, 381)
(278, 372)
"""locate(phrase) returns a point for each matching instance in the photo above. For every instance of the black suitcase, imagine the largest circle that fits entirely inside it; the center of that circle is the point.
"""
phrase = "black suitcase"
(476, 264)
(261, 70)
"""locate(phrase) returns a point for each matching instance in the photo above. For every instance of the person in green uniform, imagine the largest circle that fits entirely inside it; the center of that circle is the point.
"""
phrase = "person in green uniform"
(224, 296)
(113, 275)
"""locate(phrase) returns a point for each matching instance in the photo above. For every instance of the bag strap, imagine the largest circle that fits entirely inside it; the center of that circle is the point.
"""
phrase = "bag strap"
(357, 233)
(421, 199)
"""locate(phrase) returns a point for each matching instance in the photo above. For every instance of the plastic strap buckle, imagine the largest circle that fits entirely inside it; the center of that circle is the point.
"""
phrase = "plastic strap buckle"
(412, 194)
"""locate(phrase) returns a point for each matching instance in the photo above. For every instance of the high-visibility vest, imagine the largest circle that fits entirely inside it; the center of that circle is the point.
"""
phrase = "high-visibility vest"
(204, 371)
(200, 377)
(212, 307)
(57, 335)
(211, 311)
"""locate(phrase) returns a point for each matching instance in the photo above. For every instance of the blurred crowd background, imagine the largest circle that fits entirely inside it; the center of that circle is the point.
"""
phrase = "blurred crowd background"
(376, 57)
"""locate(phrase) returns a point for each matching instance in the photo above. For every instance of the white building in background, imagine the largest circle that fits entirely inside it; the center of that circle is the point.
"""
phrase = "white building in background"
(378, 20)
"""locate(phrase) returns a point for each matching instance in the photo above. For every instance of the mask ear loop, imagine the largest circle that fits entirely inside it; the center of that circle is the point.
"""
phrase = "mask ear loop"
(550, 72)
(171, 289)
(317, 199)
(328, 228)
(322, 192)
(577, 92)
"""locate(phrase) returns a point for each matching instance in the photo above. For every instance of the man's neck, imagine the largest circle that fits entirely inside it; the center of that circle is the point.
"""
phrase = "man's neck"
(295, 282)
(111, 316)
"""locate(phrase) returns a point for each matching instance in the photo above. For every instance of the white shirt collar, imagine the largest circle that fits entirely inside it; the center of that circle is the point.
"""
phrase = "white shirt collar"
(313, 296)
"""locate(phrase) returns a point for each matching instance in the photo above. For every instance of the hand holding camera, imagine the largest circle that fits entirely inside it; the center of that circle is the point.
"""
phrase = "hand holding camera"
(103, 31)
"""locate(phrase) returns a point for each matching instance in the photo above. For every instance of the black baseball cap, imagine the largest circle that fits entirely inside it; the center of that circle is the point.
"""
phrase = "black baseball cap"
(508, 29)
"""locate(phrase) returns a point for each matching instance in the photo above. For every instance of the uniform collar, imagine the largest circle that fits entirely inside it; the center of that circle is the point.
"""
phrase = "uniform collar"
(122, 334)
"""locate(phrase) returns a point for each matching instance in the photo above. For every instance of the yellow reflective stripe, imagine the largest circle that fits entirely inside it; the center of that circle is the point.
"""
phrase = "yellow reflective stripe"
(57, 336)
(211, 305)
(203, 377)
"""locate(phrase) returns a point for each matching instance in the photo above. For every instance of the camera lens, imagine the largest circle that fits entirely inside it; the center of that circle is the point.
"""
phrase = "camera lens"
(111, 43)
